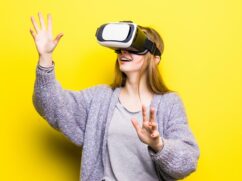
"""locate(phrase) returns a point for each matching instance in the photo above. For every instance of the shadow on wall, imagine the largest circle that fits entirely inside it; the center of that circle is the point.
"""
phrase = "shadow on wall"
(61, 148)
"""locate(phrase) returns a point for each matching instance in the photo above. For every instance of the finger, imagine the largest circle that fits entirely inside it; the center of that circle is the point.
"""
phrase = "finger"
(36, 27)
(41, 19)
(32, 33)
(147, 127)
(144, 113)
(49, 23)
(152, 114)
(155, 134)
(58, 37)
(145, 123)
(136, 125)
(153, 125)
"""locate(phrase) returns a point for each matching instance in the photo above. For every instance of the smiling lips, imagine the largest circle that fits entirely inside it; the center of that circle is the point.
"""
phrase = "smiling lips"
(124, 59)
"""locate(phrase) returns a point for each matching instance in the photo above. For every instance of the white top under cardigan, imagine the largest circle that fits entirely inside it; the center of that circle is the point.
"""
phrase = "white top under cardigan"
(128, 158)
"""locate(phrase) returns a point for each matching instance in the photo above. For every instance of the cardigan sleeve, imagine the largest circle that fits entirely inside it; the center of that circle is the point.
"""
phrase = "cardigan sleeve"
(180, 152)
(64, 110)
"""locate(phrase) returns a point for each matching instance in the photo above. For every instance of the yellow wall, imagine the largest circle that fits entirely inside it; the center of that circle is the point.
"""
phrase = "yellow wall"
(202, 61)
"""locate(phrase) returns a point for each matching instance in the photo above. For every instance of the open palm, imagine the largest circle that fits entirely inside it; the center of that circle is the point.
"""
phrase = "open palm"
(43, 36)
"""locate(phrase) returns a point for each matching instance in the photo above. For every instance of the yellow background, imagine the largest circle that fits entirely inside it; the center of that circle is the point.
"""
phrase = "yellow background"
(202, 61)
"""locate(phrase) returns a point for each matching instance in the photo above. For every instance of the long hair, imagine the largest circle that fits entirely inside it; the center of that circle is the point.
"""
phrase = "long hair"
(154, 79)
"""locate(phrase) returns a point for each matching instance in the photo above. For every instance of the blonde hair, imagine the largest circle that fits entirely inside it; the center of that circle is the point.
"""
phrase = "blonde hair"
(154, 78)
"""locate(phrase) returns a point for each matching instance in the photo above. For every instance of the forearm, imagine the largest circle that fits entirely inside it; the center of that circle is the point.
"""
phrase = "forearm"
(177, 159)
(44, 95)
(64, 110)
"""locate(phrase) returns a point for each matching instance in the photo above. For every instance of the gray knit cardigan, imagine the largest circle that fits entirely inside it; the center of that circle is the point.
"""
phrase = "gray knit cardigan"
(84, 116)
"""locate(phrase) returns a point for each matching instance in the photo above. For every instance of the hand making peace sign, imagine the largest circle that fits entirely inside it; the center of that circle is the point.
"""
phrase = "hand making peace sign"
(149, 133)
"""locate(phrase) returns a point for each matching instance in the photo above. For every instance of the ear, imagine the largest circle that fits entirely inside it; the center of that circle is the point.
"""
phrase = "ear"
(157, 59)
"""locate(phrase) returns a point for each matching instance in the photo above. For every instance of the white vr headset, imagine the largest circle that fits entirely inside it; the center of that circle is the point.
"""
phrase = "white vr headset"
(125, 35)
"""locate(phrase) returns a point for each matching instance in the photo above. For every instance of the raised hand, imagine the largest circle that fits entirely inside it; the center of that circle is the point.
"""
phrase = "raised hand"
(42, 36)
(148, 133)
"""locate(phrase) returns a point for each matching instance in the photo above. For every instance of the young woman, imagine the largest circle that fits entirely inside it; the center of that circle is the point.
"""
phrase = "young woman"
(134, 129)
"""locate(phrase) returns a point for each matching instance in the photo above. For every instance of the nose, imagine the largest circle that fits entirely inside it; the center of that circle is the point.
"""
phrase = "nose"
(124, 51)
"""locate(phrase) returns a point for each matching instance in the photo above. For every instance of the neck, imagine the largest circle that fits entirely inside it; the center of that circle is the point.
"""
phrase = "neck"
(133, 88)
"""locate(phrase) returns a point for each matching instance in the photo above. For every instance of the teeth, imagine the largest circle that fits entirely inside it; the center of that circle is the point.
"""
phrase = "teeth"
(125, 59)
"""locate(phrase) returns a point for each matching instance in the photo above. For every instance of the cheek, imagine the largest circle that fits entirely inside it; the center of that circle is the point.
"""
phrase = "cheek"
(138, 60)
(140, 63)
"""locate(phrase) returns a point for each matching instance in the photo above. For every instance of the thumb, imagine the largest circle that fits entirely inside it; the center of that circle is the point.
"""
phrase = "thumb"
(58, 37)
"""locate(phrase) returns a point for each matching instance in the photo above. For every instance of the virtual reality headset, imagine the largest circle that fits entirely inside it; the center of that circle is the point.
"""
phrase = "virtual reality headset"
(125, 35)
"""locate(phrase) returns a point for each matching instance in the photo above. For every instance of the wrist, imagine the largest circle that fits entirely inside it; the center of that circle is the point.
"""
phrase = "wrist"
(158, 147)
(45, 60)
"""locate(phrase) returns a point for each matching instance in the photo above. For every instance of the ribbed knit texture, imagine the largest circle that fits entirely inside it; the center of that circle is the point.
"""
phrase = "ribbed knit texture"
(84, 116)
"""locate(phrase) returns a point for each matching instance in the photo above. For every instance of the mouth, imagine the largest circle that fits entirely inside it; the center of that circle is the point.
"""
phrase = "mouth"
(124, 59)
